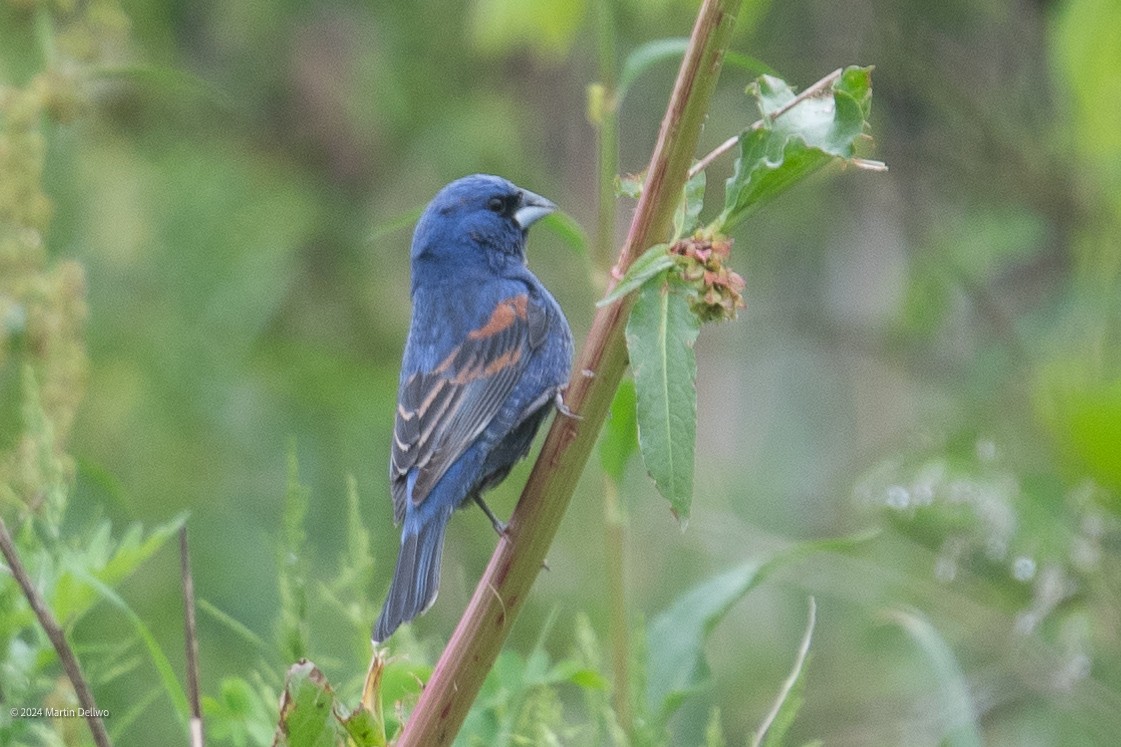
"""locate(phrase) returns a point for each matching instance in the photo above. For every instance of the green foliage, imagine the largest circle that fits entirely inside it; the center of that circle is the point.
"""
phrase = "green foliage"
(307, 710)
(520, 703)
(42, 305)
(945, 338)
(676, 665)
(650, 264)
(312, 711)
(797, 137)
(168, 679)
(30, 666)
(74, 571)
(714, 735)
(1090, 63)
(956, 708)
(349, 594)
(620, 433)
(792, 695)
(312, 715)
(522, 698)
(98, 558)
(675, 638)
(243, 713)
(688, 214)
(661, 331)
(292, 633)
(72, 557)
(645, 56)
(567, 229)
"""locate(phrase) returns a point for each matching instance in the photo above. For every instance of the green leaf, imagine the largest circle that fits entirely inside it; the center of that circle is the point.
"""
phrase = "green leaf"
(676, 665)
(363, 729)
(242, 714)
(167, 675)
(567, 229)
(171, 82)
(619, 438)
(675, 661)
(856, 81)
(790, 698)
(685, 218)
(794, 142)
(131, 552)
(122, 724)
(234, 625)
(71, 598)
(307, 716)
(589, 679)
(653, 261)
(645, 57)
(661, 331)
(663, 50)
(401, 223)
(961, 722)
(748, 63)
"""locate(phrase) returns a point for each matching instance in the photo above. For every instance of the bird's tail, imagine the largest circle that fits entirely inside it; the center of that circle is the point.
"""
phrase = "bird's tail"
(416, 580)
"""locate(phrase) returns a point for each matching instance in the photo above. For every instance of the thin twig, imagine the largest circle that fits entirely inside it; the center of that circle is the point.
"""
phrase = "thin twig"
(815, 90)
(720, 150)
(58, 638)
(791, 680)
(192, 644)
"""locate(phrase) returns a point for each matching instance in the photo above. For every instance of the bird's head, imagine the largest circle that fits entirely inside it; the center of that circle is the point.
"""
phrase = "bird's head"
(477, 221)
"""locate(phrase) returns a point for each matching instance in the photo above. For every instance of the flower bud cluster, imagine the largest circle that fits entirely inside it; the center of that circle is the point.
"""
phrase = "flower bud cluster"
(717, 289)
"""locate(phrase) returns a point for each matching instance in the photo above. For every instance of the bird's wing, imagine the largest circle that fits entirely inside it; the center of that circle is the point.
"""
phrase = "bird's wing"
(441, 412)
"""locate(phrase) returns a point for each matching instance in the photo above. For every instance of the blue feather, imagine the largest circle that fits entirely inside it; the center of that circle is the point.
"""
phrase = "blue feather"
(487, 352)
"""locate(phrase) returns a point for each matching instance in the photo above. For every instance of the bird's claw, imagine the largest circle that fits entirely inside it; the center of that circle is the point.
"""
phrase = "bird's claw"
(563, 409)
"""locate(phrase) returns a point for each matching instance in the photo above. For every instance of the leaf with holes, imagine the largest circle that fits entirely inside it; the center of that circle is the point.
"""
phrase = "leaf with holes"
(795, 140)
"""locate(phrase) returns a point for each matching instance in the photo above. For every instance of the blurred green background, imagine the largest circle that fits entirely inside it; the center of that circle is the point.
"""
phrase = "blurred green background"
(935, 351)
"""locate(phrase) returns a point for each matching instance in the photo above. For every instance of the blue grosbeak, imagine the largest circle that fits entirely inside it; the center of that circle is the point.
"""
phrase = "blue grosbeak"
(488, 353)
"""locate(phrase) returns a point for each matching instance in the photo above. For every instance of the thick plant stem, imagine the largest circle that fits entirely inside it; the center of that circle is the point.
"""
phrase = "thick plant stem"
(498, 598)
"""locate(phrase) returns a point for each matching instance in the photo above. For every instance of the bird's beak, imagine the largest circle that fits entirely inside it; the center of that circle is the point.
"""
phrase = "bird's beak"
(533, 208)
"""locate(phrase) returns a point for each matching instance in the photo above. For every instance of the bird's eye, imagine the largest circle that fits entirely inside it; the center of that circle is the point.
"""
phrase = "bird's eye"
(497, 204)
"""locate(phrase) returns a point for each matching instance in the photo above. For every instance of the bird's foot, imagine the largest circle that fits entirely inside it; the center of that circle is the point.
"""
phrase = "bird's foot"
(499, 525)
(563, 409)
